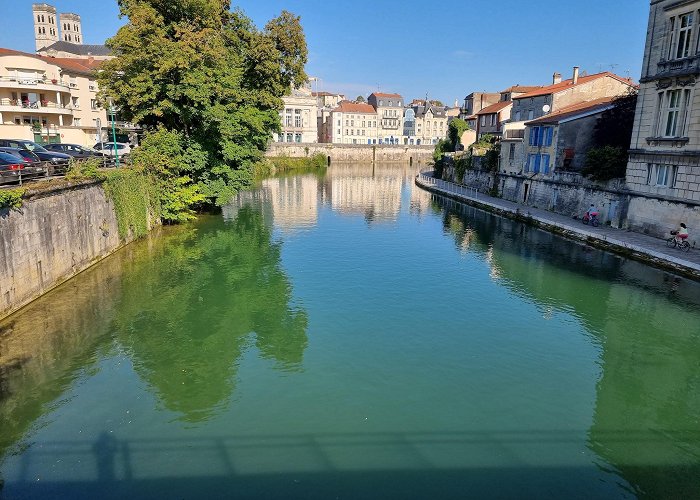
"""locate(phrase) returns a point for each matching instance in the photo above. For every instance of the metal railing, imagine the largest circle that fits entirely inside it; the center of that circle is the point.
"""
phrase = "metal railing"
(47, 170)
(31, 81)
(17, 103)
(426, 177)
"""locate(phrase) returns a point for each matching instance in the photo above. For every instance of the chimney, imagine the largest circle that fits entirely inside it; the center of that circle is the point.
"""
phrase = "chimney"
(556, 78)
(574, 81)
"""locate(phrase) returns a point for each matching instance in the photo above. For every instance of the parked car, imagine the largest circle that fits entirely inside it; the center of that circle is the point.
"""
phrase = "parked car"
(107, 148)
(25, 154)
(52, 156)
(11, 166)
(74, 150)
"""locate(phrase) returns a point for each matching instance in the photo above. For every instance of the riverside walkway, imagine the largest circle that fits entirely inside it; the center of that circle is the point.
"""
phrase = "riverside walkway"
(633, 245)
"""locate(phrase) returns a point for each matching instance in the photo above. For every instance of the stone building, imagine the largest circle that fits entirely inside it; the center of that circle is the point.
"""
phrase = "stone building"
(552, 99)
(389, 108)
(299, 117)
(424, 124)
(664, 163)
(326, 103)
(62, 38)
(559, 141)
(354, 123)
(49, 99)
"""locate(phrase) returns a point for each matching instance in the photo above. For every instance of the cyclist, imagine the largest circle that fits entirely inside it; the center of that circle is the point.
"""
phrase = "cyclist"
(592, 212)
(682, 233)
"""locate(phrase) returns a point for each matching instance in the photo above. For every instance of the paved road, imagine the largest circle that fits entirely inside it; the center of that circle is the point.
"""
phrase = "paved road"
(624, 240)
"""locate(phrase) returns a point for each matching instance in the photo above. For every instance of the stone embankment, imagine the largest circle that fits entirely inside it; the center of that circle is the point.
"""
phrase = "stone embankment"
(637, 246)
(59, 232)
(359, 153)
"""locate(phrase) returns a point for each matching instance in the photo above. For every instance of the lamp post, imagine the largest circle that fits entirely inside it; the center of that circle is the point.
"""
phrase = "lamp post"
(114, 131)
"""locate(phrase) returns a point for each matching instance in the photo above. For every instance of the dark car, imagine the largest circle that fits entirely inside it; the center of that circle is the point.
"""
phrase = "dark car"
(43, 154)
(10, 166)
(25, 154)
(73, 150)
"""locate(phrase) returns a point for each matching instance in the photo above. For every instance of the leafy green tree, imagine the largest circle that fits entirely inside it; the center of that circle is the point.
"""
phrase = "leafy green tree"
(605, 163)
(198, 69)
(455, 130)
(359, 98)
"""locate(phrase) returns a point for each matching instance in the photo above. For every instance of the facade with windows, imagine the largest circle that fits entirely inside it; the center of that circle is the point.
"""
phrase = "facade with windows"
(664, 164)
(49, 99)
(299, 117)
(389, 108)
(424, 125)
(354, 123)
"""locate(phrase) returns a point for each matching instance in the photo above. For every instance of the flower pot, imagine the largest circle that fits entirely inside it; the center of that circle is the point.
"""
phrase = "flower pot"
(54, 81)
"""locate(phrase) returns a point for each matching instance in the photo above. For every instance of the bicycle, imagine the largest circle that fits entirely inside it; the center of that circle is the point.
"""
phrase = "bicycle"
(592, 219)
(677, 242)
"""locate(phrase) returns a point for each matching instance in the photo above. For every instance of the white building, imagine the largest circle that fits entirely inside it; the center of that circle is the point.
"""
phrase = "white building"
(354, 123)
(299, 117)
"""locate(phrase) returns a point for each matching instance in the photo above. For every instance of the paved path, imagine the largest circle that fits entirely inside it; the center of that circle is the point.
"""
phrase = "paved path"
(635, 245)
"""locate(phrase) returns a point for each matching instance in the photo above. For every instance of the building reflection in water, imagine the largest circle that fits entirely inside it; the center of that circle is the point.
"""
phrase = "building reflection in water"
(645, 422)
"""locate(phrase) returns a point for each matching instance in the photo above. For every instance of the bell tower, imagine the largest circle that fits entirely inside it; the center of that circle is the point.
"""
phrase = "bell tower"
(71, 28)
(45, 26)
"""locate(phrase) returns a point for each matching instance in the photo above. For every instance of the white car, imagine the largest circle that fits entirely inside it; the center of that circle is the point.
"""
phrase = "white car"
(107, 148)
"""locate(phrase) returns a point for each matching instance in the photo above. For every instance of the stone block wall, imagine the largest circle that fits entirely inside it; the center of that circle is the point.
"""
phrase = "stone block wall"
(54, 236)
(354, 152)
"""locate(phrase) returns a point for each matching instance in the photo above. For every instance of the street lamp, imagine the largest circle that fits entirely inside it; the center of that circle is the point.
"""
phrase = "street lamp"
(114, 130)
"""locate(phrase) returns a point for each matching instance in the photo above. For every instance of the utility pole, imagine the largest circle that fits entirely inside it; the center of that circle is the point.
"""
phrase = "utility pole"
(114, 131)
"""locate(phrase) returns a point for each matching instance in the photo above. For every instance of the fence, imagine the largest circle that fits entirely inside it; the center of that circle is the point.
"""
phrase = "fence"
(426, 177)
(46, 170)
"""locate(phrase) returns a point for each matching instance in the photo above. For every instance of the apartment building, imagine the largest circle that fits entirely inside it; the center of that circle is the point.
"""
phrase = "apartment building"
(389, 109)
(49, 99)
(664, 162)
(299, 117)
(355, 123)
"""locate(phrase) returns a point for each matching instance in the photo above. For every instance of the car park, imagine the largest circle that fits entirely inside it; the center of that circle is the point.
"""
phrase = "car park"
(74, 150)
(51, 156)
(107, 148)
(25, 154)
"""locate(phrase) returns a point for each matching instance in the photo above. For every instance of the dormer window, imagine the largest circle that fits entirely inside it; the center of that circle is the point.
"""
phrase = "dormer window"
(681, 34)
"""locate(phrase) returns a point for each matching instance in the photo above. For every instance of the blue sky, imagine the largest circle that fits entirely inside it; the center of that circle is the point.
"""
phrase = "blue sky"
(446, 49)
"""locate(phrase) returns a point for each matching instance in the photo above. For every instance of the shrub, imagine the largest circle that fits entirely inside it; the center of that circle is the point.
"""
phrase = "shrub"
(605, 163)
(11, 198)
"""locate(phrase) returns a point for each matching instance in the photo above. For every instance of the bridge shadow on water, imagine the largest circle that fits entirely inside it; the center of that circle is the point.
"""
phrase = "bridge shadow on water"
(498, 464)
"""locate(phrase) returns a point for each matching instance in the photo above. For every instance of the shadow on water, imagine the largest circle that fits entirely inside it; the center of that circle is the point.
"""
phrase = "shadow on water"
(396, 465)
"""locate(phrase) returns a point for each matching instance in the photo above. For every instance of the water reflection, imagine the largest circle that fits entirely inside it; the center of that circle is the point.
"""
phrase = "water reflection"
(196, 302)
(647, 322)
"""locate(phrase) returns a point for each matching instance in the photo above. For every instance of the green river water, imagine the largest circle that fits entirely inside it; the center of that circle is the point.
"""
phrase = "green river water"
(346, 334)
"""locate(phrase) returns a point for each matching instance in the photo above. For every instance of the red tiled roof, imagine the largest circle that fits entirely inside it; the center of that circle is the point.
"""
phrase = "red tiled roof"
(354, 107)
(78, 65)
(575, 109)
(494, 108)
(521, 88)
(558, 87)
(380, 94)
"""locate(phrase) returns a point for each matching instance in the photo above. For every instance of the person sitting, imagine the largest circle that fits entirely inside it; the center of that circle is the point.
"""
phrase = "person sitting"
(682, 233)
(592, 211)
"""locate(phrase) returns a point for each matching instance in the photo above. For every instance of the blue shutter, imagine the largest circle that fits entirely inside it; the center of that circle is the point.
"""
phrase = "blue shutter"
(533, 136)
(545, 164)
(538, 158)
(548, 140)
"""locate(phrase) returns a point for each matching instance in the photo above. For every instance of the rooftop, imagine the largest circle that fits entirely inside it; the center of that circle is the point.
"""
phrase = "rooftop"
(494, 108)
(353, 107)
(83, 66)
(80, 50)
(521, 89)
(567, 84)
(381, 94)
(581, 108)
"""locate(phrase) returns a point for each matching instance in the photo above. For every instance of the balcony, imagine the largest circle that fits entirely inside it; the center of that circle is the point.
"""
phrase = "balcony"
(34, 84)
(514, 134)
(51, 108)
(678, 67)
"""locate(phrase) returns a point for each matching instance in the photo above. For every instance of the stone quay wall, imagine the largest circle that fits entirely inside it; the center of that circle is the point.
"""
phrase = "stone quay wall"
(358, 153)
(56, 234)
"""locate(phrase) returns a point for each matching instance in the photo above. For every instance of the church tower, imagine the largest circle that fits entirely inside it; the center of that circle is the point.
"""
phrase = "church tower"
(45, 27)
(71, 28)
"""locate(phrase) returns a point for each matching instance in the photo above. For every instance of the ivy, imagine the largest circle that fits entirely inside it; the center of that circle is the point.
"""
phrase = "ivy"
(287, 163)
(11, 198)
(135, 198)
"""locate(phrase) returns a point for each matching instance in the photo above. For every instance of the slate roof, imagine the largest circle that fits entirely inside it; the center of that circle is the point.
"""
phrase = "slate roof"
(575, 110)
(79, 50)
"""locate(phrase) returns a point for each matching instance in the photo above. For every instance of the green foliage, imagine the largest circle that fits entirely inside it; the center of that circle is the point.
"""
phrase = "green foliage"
(443, 146)
(359, 98)
(287, 163)
(462, 164)
(614, 127)
(170, 160)
(134, 195)
(455, 130)
(197, 69)
(605, 163)
(84, 169)
(11, 198)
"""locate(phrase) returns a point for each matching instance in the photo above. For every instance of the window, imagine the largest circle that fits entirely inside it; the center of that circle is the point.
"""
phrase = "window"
(483, 121)
(338, 131)
(517, 116)
(662, 175)
(493, 120)
(76, 122)
(347, 123)
(681, 33)
(297, 118)
(352, 123)
(530, 115)
(534, 136)
(672, 109)
(288, 118)
(339, 123)
(545, 164)
(289, 137)
(511, 153)
(297, 137)
(93, 103)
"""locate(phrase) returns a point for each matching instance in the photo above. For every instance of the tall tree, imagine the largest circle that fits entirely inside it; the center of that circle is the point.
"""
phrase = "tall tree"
(196, 68)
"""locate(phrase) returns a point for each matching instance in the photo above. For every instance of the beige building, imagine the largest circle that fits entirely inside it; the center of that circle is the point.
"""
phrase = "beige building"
(326, 102)
(61, 35)
(553, 98)
(424, 125)
(299, 120)
(664, 163)
(389, 108)
(48, 100)
(354, 123)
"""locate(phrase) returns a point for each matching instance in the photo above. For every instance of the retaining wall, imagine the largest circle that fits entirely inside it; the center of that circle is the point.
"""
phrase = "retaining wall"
(359, 153)
(55, 235)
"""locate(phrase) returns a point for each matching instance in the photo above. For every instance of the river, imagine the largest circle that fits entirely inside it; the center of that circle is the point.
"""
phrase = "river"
(345, 334)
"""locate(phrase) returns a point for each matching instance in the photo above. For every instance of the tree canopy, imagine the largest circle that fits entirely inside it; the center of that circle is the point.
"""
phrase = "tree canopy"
(198, 70)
